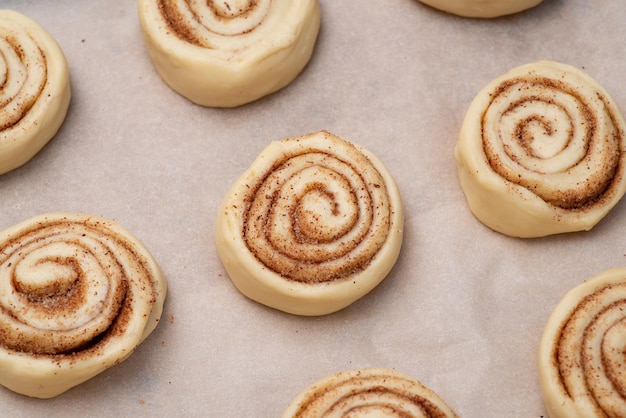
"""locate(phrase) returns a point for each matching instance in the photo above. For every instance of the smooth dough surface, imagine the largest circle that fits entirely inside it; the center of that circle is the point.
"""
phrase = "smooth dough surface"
(482, 8)
(34, 89)
(368, 393)
(314, 224)
(229, 53)
(78, 294)
(541, 151)
(582, 368)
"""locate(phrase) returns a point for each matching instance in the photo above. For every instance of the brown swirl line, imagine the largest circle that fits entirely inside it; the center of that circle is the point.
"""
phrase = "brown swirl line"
(575, 166)
(365, 392)
(582, 354)
(199, 23)
(319, 214)
(23, 73)
(75, 291)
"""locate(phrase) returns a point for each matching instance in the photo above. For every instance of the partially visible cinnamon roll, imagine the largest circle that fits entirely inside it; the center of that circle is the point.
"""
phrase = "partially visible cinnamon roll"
(313, 225)
(582, 367)
(229, 53)
(482, 8)
(34, 89)
(78, 293)
(542, 151)
(368, 393)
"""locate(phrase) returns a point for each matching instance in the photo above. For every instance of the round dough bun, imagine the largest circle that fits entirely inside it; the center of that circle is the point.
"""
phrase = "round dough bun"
(78, 294)
(313, 225)
(581, 355)
(482, 8)
(229, 53)
(541, 151)
(368, 393)
(34, 89)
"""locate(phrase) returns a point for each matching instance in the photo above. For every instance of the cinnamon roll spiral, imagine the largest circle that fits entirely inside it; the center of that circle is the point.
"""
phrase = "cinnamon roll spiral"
(581, 356)
(78, 293)
(229, 53)
(34, 89)
(313, 225)
(482, 8)
(542, 151)
(368, 392)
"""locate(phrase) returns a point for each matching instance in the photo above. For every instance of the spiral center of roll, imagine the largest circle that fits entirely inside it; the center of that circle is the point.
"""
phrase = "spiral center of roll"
(232, 8)
(211, 23)
(540, 138)
(554, 139)
(45, 277)
(318, 216)
(58, 291)
(322, 209)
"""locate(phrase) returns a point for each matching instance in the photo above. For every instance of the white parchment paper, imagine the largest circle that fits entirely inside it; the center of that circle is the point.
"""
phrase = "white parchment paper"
(464, 307)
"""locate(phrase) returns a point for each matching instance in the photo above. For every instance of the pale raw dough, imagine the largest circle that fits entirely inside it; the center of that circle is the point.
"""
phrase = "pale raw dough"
(368, 393)
(35, 89)
(581, 355)
(542, 151)
(78, 294)
(482, 8)
(313, 225)
(229, 53)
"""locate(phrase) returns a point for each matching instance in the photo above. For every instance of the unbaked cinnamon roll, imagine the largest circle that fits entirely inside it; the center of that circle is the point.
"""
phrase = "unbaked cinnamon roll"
(581, 357)
(368, 393)
(313, 225)
(78, 293)
(482, 8)
(229, 53)
(542, 151)
(34, 89)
